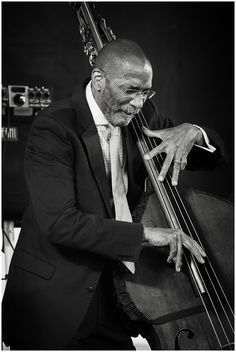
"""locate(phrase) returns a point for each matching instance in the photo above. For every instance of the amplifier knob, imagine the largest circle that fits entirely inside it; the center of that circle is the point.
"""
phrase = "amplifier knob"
(19, 99)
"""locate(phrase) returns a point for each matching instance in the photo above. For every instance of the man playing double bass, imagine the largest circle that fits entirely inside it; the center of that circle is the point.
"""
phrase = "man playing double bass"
(85, 175)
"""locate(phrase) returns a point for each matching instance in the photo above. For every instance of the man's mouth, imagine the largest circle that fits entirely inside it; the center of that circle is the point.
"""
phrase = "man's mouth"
(130, 113)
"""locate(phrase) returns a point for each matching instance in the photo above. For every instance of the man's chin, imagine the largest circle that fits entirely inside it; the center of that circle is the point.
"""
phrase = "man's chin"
(124, 123)
(121, 119)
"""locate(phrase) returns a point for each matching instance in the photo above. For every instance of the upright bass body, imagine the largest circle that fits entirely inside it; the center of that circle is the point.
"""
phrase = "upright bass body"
(170, 301)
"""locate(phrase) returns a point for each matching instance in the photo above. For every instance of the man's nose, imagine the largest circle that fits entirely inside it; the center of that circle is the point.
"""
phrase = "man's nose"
(138, 101)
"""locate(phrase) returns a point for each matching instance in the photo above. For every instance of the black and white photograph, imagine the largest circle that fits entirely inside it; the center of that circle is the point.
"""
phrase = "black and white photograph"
(117, 175)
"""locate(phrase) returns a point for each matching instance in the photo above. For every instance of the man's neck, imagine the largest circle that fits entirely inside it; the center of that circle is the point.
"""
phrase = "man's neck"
(96, 96)
(96, 112)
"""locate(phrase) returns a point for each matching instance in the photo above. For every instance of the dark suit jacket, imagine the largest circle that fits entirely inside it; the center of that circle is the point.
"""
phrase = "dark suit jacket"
(68, 233)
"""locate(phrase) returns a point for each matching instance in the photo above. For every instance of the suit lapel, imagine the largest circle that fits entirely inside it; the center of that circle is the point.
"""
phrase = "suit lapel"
(92, 143)
(87, 130)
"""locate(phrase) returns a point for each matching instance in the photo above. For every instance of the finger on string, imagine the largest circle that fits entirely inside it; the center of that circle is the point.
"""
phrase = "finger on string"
(197, 246)
(173, 251)
(150, 133)
(154, 152)
(195, 251)
(176, 171)
(179, 256)
(200, 249)
(184, 162)
(165, 167)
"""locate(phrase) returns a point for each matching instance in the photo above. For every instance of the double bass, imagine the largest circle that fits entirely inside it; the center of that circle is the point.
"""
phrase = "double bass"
(187, 310)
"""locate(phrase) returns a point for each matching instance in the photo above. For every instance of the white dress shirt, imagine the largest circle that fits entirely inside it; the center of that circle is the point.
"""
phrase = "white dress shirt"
(103, 131)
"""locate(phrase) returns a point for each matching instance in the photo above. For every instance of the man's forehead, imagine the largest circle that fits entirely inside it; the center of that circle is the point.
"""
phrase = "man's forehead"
(138, 72)
(136, 65)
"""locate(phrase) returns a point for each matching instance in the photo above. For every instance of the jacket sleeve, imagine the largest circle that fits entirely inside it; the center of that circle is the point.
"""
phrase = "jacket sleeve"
(50, 178)
(201, 159)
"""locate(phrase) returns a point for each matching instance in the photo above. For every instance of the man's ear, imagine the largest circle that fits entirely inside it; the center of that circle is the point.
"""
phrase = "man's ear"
(98, 79)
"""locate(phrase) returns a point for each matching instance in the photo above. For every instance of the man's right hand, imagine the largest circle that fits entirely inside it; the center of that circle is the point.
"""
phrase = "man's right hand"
(175, 239)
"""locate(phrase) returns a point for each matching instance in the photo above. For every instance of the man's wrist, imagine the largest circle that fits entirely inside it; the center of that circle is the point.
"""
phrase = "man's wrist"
(144, 238)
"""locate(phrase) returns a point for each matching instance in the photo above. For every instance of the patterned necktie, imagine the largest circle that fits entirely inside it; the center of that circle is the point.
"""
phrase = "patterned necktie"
(118, 187)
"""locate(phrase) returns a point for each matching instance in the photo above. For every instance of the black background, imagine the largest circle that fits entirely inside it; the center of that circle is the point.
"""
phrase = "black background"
(190, 45)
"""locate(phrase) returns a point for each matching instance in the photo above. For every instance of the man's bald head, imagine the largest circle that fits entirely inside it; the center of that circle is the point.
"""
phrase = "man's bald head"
(116, 56)
(121, 75)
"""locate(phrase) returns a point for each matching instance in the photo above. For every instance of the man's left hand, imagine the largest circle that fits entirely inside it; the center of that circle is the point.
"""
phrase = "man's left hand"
(176, 143)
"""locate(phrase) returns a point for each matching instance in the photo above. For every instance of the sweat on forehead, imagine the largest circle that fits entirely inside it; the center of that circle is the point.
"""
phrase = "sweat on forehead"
(115, 56)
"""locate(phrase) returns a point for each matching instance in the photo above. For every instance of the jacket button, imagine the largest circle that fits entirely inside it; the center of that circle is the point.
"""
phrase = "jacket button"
(90, 289)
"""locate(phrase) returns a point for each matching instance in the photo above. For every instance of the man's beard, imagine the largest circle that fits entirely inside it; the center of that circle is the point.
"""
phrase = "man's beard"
(114, 112)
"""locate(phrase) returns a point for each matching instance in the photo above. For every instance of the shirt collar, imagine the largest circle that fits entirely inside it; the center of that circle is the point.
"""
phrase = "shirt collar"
(98, 117)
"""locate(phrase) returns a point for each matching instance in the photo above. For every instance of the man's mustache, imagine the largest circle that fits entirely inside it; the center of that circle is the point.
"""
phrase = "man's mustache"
(130, 110)
(126, 109)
